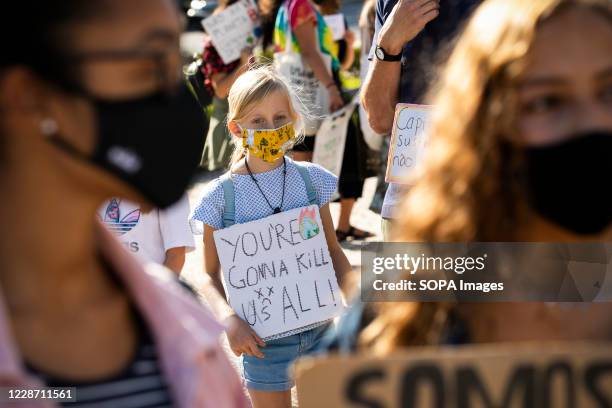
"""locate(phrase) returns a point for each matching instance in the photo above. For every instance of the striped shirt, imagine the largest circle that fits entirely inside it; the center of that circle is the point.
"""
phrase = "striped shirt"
(140, 384)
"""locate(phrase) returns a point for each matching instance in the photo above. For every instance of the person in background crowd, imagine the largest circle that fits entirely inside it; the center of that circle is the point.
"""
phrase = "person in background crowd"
(268, 10)
(410, 34)
(367, 23)
(92, 106)
(346, 53)
(535, 93)
(367, 27)
(266, 182)
(159, 236)
(312, 38)
(218, 79)
(350, 185)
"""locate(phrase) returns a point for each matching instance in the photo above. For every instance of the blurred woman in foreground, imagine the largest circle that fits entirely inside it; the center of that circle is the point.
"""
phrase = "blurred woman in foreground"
(92, 106)
(520, 146)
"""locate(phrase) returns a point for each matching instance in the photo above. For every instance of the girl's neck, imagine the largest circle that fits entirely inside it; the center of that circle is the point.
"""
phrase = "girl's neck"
(258, 165)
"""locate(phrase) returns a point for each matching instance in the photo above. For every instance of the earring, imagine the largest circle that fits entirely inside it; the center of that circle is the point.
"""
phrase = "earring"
(48, 126)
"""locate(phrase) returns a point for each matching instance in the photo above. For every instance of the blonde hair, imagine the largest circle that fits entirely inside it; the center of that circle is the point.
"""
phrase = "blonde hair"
(468, 189)
(252, 87)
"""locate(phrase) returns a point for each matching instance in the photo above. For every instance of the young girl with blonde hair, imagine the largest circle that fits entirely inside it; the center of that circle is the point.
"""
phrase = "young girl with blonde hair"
(264, 181)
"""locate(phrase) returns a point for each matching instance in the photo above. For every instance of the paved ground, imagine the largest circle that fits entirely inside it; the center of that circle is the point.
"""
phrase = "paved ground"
(361, 217)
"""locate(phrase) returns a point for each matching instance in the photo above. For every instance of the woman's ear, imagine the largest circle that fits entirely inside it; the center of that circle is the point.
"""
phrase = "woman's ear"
(27, 102)
(234, 128)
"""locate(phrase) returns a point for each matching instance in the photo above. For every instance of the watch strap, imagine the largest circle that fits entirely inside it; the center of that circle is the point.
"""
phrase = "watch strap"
(387, 56)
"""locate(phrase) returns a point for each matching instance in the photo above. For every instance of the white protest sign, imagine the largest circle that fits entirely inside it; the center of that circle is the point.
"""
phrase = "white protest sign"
(407, 140)
(232, 29)
(331, 139)
(336, 23)
(278, 272)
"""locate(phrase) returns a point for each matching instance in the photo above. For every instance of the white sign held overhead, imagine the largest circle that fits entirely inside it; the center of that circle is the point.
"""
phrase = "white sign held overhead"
(336, 23)
(232, 29)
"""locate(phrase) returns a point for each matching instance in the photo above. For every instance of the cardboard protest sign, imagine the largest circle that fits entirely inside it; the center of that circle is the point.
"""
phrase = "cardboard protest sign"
(521, 375)
(336, 24)
(407, 140)
(278, 272)
(331, 138)
(232, 29)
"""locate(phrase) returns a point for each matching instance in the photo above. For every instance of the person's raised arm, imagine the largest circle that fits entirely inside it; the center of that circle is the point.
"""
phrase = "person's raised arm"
(380, 91)
(222, 82)
(342, 266)
(349, 57)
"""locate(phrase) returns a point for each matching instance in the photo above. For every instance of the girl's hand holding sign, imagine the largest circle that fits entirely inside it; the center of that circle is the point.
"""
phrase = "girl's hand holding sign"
(242, 338)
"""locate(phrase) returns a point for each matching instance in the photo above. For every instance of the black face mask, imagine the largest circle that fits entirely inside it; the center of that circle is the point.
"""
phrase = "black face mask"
(569, 183)
(153, 143)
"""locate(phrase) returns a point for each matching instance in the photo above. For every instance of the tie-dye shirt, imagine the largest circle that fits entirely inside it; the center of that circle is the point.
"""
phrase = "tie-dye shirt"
(303, 12)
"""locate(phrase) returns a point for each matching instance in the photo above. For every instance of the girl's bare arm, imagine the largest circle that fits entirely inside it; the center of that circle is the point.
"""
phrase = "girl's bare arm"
(341, 264)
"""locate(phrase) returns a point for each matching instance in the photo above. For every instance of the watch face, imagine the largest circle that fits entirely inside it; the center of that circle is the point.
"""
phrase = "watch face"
(380, 54)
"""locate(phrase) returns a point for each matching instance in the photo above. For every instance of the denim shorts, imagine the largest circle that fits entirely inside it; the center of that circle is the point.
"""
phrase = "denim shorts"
(271, 373)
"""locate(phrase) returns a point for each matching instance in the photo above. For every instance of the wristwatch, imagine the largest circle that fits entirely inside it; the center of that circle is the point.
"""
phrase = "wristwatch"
(382, 55)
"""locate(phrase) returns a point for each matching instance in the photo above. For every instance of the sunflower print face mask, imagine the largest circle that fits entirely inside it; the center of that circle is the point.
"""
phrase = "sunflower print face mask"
(269, 144)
